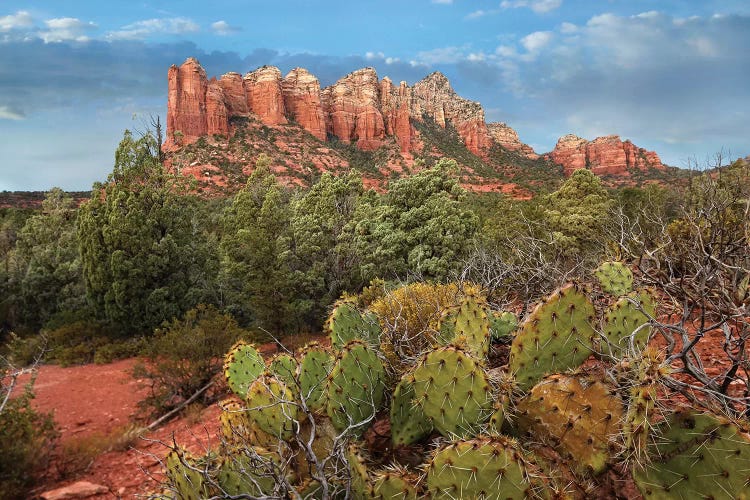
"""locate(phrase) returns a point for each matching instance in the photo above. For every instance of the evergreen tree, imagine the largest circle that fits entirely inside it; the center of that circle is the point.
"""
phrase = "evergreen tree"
(143, 250)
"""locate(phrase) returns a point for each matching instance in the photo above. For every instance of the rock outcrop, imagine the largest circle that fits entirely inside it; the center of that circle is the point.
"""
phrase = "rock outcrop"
(301, 92)
(352, 108)
(506, 137)
(603, 155)
(358, 108)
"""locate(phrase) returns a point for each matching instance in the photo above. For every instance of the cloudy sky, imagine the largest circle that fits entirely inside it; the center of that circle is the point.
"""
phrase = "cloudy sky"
(672, 76)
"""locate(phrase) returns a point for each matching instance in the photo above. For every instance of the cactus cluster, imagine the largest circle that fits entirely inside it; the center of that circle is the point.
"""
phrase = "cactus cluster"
(304, 425)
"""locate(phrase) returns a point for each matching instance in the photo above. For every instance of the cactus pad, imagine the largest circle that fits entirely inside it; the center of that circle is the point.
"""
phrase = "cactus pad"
(397, 484)
(453, 391)
(271, 406)
(360, 484)
(624, 322)
(696, 456)
(314, 366)
(185, 479)
(355, 388)
(556, 336)
(242, 364)
(346, 323)
(251, 473)
(576, 416)
(468, 322)
(284, 367)
(502, 324)
(408, 423)
(481, 468)
(614, 277)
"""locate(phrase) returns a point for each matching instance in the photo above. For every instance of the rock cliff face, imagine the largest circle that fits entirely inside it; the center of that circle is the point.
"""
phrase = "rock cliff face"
(505, 136)
(358, 108)
(603, 155)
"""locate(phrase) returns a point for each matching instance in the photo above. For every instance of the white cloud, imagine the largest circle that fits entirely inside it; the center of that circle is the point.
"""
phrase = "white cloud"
(66, 29)
(568, 28)
(224, 28)
(476, 57)
(538, 6)
(6, 113)
(143, 29)
(371, 56)
(536, 41)
(476, 14)
(19, 20)
(442, 55)
(443, 2)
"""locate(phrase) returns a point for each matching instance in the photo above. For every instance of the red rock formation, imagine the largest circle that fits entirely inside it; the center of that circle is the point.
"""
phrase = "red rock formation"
(352, 108)
(505, 136)
(235, 94)
(301, 92)
(603, 155)
(435, 97)
(264, 97)
(186, 107)
(217, 117)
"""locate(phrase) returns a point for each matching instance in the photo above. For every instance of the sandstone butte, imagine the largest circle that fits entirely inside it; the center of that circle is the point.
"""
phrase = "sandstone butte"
(363, 110)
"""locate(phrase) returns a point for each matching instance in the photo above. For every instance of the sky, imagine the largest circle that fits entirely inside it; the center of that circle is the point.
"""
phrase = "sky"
(672, 76)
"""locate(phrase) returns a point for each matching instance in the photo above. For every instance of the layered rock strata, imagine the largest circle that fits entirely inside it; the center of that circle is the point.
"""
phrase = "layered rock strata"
(604, 155)
(358, 108)
(506, 137)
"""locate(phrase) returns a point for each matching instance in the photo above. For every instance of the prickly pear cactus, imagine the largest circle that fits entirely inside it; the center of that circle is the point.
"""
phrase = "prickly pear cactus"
(360, 484)
(242, 364)
(614, 277)
(468, 322)
(486, 468)
(452, 389)
(271, 406)
(248, 473)
(408, 423)
(625, 326)
(576, 416)
(558, 335)
(502, 324)
(696, 456)
(184, 477)
(284, 367)
(347, 323)
(314, 365)
(395, 484)
(355, 388)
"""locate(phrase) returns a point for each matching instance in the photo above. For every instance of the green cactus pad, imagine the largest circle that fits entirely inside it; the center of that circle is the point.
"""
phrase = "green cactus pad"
(360, 483)
(481, 468)
(453, 391)
(355, 388)
(558, 335)
(636, 427)
(347, 323)
(624, 319)
(184, 477)
(250, 472)
(284, 367)
(468, 322)
(271, 406)
(408, 423)
(576, 416)
(696, 456)
(502, 324)
(395, 485)
(242, 364)
(615, 278)
(314, 366)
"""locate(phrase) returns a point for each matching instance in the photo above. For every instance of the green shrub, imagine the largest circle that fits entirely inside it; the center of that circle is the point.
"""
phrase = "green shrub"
(184, 355)
(26, 438)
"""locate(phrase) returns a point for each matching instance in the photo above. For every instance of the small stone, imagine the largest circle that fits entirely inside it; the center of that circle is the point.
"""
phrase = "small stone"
(80, 489)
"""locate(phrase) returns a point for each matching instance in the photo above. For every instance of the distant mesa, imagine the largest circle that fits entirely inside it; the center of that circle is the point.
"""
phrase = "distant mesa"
(368, 112)
(603, 155)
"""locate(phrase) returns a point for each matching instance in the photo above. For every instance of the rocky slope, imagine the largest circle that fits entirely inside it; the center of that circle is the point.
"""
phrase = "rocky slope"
(216, 128)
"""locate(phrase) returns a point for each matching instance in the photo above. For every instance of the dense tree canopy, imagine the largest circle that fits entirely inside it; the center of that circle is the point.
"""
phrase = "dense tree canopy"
(142, 247)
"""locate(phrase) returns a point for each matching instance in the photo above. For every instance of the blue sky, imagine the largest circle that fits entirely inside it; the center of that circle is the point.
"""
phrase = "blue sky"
(672, 76)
